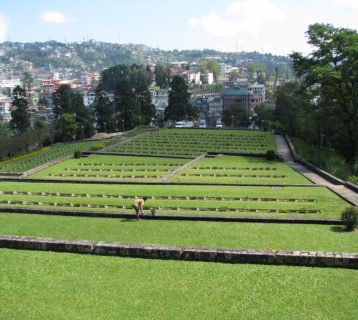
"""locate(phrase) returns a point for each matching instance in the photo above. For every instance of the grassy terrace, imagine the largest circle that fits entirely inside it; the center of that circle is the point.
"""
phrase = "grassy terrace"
(123, 168)
(183, 233)
(315, 202)
(26, 163)
(193, 142)
(42, 285)
(234, 169)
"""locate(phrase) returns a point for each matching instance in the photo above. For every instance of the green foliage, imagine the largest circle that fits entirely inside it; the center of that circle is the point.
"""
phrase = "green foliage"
(350, 217)
(71, 103)
(20, 118)
(66, 126)
(162, 75)
(209, 65)
(103, 111)
(270, 155)
(323, 158)
(126, 107)
(329, 73)
(179, 107)
(77, 154)
(236, 116)
(98, 146)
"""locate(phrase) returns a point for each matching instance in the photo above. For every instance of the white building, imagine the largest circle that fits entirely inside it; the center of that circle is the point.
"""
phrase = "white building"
(208, 78)
(10, 84)
(89, 98)
(224, 68)
(160, 98)
(192, 77)
(5, 113)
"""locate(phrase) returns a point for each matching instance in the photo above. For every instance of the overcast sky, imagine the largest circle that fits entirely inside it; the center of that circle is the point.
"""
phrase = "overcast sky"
(266, 26)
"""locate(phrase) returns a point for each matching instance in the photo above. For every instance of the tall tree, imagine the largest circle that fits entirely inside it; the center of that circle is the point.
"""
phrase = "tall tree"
(70, 102)
(236, 116)
(104, 111)
(332, 69)
(179, 107)
(209, 65)
(20, 118)
(146, 107)
(41, 131)
(127, 111)
(162, 76)
(66, 126)
(62, 100)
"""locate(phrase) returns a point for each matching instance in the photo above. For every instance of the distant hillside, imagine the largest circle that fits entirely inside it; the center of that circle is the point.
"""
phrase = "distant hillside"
(96, 56)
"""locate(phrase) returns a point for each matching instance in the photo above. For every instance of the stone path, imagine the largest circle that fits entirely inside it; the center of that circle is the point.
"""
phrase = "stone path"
(181, 168)
(284, 151)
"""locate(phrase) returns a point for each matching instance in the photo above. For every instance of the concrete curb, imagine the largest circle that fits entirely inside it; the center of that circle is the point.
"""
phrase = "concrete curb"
(150, 251)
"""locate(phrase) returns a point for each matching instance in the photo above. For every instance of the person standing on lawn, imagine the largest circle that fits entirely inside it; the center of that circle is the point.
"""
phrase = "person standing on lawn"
(138, 206)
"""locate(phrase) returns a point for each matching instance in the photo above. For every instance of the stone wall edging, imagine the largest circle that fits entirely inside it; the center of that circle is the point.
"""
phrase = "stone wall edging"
(151, 251)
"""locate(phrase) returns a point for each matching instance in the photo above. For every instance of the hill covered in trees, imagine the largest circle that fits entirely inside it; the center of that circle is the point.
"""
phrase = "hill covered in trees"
(96, 56)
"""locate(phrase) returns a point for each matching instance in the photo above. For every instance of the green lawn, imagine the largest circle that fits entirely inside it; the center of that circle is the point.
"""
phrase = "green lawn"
(43, 285)
(234, 169)
(26, 163)
(183, 233)
(193, 142)
(213, 200)
(122, 168)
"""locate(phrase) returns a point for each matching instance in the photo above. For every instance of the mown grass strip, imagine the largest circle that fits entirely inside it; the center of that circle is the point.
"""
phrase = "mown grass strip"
(43, 285)
(184, 233)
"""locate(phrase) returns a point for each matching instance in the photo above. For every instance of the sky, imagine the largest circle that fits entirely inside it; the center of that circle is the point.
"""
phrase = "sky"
(265, 26)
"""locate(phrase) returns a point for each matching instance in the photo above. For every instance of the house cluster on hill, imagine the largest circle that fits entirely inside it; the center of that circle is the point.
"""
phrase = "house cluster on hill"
(233, 84)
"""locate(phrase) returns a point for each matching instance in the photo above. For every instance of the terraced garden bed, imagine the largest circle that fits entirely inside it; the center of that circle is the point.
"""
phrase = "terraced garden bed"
(191, 142)
(237, 169)
(121, 168)
(27, 163)
(174, 199)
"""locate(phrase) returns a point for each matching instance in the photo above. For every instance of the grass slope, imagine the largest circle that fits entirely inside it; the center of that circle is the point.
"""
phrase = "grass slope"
(183, 233)
(41, 285)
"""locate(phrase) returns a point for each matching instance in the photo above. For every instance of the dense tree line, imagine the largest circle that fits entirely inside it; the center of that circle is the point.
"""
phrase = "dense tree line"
(321, 106)
(123, 100)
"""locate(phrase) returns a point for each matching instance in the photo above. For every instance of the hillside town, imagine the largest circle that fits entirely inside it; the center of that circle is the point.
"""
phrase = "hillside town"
(240, 81)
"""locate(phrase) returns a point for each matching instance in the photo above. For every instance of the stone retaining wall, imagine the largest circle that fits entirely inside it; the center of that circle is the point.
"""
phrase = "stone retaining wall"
(272, 257)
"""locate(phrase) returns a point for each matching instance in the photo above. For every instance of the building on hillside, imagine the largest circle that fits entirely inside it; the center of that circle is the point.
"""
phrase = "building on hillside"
(89, 98)
(200, 104)
(258, 95)
(207, 78)
(160, 98)
(192, 77)
(243, 83)
(215, 105)
(178, 64)
(224, 68)
(235, 96)
(8, 85)
(5, 106)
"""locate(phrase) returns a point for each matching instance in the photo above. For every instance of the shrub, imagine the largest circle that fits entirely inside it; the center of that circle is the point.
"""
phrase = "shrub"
(77, 154)
(98, 146)
(223, 209)
(270, 155)
(350, 217)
